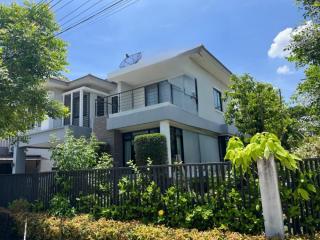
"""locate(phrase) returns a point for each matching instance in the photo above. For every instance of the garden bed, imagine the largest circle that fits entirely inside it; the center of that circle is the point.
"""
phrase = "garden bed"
(81, 227)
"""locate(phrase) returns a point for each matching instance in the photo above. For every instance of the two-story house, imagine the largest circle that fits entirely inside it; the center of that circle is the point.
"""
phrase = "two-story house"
(179, 96)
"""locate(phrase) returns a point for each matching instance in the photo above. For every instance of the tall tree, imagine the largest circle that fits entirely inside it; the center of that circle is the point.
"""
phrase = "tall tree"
(29, 54)
(305, 52)
(255, 107)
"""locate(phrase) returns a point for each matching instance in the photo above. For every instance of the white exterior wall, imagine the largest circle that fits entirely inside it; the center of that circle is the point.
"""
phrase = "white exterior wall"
(45, 165)
(205, 83)
(173, 70)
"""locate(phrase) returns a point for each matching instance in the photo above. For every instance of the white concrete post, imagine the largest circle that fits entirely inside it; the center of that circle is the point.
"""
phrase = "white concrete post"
(165, 130)
(19, 159)
(270, 197)
(81, 109)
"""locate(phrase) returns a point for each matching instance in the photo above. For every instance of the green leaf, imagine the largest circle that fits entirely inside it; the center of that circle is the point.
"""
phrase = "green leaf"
(303, 193)
(311, 188)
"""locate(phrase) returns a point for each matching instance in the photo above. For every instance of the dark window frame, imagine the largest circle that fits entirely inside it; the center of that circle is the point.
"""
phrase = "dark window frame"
(100, 108)
(174, 133)
(217, 99)
(114, 104)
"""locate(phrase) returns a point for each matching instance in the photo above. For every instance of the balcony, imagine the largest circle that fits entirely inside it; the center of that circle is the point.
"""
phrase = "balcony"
(144, 97)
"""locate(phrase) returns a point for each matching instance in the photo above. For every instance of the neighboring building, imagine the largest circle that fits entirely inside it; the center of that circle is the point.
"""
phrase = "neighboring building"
(178, 96)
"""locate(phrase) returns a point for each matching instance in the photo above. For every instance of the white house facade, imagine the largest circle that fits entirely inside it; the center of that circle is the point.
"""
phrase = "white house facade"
(178, 96)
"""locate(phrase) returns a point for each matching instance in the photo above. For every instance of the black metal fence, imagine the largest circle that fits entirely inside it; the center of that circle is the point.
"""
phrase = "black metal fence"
(206, 180)
(202, 179)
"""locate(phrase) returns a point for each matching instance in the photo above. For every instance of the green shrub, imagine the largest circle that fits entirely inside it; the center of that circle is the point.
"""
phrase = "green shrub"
(41, 226)
(60, 206)
(153, 146)
(87, 204)
(19, 205)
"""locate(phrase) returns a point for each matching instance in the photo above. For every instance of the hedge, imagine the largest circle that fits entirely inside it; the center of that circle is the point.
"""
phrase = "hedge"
(82, 227)
(153, 146)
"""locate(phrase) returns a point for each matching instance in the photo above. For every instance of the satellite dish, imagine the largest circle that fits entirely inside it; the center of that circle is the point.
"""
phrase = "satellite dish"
(131, 59)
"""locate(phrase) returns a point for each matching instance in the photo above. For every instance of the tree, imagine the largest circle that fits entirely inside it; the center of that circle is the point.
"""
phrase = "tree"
(304, 51)
(255, 107)
(310, 148)
(304, 47)
(78, 153)
(30, 54)
(311, 9)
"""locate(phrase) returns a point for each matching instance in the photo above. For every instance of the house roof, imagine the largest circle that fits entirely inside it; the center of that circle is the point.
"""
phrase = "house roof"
(88, 80)
(207, 60)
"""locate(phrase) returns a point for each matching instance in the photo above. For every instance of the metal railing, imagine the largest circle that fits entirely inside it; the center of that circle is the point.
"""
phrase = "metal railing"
(146, 96)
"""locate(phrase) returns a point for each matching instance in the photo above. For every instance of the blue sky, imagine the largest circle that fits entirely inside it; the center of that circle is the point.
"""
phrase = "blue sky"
(238, 33)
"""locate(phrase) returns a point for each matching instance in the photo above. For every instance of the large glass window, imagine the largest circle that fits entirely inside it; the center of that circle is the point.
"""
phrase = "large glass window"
(75, 108)
(86, 109)
(100, 106)
(176, 139)
(114, 104)
(128, 144)
(217, 99)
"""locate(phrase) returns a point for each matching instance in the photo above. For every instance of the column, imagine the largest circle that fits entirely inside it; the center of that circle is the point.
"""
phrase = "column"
(270, 198)
(19, 159)
(81, 109)
(165, 130)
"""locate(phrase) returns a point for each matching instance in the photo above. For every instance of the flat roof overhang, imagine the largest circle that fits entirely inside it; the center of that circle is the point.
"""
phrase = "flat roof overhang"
(162, 67)
(164, 111)
(42, 139)
(89, 80)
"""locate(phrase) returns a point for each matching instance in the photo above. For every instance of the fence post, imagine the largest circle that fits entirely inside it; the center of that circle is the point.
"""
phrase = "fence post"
(270, 197)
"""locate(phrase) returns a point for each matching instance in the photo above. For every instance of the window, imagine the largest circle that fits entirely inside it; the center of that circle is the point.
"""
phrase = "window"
(75, 108)
(100, 106)
(86, 109)
(176, 138)
(217, 99)
(115, 104)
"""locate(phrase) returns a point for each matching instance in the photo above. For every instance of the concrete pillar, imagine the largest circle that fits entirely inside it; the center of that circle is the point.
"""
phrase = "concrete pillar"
(81, 109)
(165, 130)
(270, 197)
(19, 159)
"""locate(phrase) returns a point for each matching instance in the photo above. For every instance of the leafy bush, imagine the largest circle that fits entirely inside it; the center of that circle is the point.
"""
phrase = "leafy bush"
(41, 226)
(140, 199)
(60, 206)
(78, 153)
(19, 205)
(87, 204)
(152, 146)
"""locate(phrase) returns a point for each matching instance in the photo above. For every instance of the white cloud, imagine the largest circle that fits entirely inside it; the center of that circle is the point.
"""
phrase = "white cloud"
(280, 42)
(284, 70)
